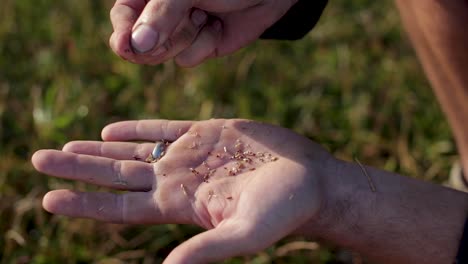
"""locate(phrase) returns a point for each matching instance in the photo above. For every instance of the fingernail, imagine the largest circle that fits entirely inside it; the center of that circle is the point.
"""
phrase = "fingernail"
(217, 25)
(144, 38)
(198, 17)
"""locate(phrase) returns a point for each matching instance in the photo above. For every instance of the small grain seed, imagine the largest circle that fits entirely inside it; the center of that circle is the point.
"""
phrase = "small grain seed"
(249, 153)
(238, 145)
(149, 159)
(184, 189)
(229, 197)
(211, 194)
(194, 145)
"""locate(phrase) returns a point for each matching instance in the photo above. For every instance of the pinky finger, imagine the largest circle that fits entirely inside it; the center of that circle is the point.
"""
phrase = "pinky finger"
(203, 47)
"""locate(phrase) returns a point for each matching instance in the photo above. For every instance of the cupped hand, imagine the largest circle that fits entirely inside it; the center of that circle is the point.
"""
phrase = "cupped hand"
(151, 32)
(250, 184)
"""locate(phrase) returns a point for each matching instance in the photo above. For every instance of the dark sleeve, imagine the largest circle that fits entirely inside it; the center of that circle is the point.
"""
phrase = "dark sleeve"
(297, 22)
(462, 256)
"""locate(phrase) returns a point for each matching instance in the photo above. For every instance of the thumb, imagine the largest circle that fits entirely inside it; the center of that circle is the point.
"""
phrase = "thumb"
(157, 22)
(214, 245)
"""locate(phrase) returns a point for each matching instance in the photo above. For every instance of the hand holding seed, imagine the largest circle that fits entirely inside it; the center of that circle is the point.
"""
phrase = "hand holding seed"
(249, 184)
(151, 32)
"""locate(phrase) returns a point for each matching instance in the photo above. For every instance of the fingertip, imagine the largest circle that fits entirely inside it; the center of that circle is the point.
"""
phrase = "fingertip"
(105, 133)
(40, 159)
(54, 201)
(199, 17)
(48, 202)
(118, 131)
(217, 26)
(119, 42)
(70, 146)
(108, 132)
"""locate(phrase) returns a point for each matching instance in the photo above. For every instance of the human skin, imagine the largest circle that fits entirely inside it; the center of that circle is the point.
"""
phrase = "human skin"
(437, 30)
(291, 185)
(230, 25)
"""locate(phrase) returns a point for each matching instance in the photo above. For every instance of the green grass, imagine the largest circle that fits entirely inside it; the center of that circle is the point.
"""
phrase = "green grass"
(354, 85)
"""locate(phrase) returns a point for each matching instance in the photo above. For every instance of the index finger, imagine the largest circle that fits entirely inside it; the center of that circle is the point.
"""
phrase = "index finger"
(150, 130)
(123, 16)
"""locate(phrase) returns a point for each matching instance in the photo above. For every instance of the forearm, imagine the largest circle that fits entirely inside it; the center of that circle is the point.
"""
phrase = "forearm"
(390, 218)
(437, 30)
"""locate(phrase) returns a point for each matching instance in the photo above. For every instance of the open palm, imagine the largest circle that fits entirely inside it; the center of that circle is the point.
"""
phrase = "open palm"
(249, 183)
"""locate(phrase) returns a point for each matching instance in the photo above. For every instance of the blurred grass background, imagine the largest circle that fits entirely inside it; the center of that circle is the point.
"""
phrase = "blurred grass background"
(354, 85)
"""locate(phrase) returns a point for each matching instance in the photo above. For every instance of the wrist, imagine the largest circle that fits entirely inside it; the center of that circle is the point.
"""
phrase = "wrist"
(346, 191)
(359, 217)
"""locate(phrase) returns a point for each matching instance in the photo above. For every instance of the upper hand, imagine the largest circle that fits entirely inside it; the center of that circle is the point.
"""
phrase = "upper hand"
(249, 183)
(151, 32)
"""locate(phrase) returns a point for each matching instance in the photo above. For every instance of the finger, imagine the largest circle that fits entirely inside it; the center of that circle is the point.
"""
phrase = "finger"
(157, 23)
(203, 47)
(126, 208)
(160, 18)
(146, 130)
(124, 13)
(112, 150)
(242, 28)
(226, 6)
(123, 16)
(214, 245)
(182, 38)
(121, 175)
